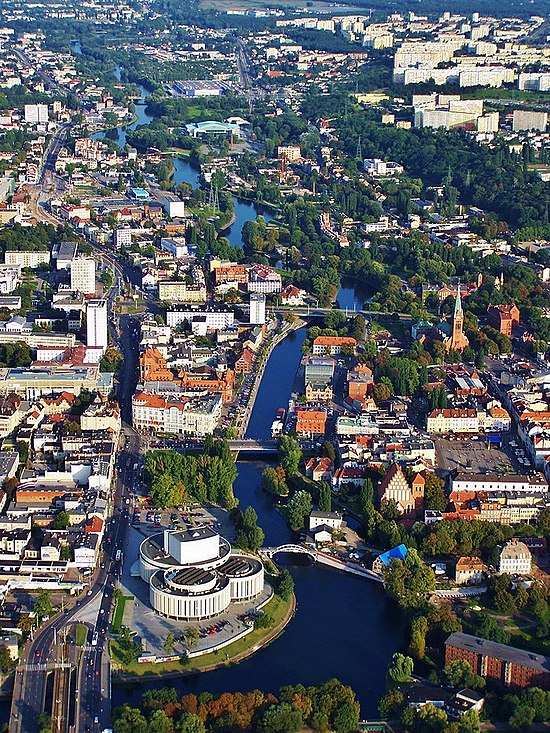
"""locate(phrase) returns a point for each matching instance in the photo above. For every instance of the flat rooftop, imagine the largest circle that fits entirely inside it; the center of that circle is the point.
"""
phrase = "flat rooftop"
(499, 651)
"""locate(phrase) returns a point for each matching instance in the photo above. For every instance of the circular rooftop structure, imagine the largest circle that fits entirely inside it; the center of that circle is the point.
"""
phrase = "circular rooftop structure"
(193, 574)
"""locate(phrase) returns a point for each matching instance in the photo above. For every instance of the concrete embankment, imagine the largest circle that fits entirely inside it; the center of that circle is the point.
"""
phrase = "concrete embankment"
(335, 562)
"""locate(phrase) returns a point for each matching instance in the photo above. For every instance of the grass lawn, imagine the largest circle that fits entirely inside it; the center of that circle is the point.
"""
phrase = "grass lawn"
(522, 631)
(81, 634)
(277, 608)
(118, 615)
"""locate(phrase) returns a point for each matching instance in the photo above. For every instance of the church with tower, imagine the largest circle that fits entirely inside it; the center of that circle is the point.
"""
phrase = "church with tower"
(452, 330)
(457, 340)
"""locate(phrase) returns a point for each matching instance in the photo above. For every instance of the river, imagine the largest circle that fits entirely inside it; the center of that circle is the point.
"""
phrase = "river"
(184, 171)
(344, 626)
(353, 294)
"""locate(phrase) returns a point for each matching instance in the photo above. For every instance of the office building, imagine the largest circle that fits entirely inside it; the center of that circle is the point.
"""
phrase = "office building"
(83, 275)
(257, 309)
(96, 326)
(217, 317)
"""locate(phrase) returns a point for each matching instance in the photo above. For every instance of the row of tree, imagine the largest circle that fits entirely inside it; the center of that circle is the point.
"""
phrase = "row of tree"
(329, 706)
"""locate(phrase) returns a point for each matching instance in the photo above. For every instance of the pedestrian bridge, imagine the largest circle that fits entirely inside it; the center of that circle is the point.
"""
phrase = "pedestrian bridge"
(296, 549)
(247, 445)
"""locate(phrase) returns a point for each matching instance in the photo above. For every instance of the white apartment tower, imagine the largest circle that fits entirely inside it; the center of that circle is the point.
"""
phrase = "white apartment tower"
(36, 113)
(122, 237)
(96, 323)
(83, 275)
(257, 309)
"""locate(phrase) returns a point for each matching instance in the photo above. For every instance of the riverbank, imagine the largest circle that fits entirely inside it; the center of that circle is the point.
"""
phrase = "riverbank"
(230, 655)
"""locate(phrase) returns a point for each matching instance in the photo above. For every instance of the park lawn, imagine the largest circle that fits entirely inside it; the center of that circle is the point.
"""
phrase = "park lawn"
(276, 607)
(81, 634)
(118, 614)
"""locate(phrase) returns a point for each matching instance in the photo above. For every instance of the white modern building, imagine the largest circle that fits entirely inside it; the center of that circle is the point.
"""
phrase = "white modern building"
(526, 119)
(36, 113)
(515, 559)
(83, 275)
(122, 237)
(257, 309)
(96, 323)
(217, 317)
(30, 259)
(535, 483)
(193, 574)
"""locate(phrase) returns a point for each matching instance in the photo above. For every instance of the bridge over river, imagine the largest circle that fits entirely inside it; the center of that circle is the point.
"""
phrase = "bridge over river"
(289, 547)
(248, 445)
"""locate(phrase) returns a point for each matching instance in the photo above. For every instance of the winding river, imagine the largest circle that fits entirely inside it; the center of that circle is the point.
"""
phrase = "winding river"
(344, 626)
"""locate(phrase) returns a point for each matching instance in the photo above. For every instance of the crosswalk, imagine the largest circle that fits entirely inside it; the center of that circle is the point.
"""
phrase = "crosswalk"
(41, 667)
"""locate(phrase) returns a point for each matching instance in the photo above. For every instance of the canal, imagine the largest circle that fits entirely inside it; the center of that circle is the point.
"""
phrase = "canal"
(344, 626)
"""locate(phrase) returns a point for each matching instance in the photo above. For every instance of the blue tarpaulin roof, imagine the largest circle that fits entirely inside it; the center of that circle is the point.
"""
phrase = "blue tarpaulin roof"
(396, 553)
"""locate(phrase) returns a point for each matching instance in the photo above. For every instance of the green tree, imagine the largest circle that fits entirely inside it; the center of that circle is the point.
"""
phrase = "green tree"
(391, 704)
(409, 581)
(434, 493)
(273, 480)
(328, 450)
(458, 673)
(6, 662)
(298, 508)
(366, 495)
(44, 722)
(325, 497)
(346, 717)
(401, 668)
(191, 636)
(290, 454)
(168, 644)
(281, 718)
(129, 720)
(159, 722)
(190, 723)
(522, 717)
(62, 520)
(285, 587)
(419, 629)
(42, 605)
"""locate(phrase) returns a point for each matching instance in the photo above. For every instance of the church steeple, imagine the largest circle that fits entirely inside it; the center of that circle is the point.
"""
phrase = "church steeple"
(458, 303)
(457, 341)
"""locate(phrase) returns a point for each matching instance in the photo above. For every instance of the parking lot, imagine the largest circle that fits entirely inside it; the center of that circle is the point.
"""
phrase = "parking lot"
(472, 453)
(152, 521)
